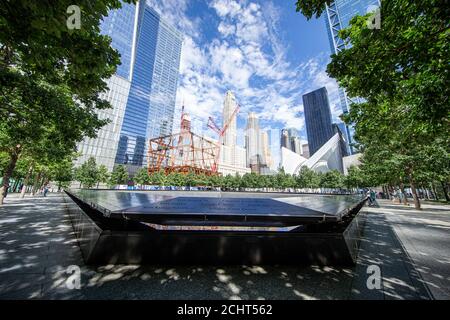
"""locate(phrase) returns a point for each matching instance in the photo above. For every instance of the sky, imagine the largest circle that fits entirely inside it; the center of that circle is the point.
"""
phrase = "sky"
(264, 51)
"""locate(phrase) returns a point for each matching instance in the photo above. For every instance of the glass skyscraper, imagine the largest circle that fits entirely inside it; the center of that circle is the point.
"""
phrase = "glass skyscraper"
(151, 102)
(143, 90)
(318, 118)
(119, 25)
(338, 15)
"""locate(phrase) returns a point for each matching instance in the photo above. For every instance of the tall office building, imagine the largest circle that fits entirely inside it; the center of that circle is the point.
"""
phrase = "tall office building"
(233, 158)
(266, 156)
(290, 140)
(338, 15)
(151, 101)
(252, 140)
(305, 151)
(120, 26)
(230, 138)
(296, 144)
(317, 118)
(229, 105)
(143, 90)
(339, 128)
(284, 139)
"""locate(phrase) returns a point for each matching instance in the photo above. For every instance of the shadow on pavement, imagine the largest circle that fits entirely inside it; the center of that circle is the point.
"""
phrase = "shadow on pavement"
(37, 245)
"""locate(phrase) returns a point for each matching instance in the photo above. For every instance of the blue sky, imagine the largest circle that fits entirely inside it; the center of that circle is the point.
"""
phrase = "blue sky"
(264, 51)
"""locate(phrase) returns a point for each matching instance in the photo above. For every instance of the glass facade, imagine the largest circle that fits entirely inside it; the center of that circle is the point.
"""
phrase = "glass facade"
(119, 25)
(339, 14)
(318, 118)
(143, 90)
(165, 79)
(151, 102)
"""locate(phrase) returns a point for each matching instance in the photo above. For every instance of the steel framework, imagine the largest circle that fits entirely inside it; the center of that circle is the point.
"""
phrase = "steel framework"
(182, 152)
(186, 151)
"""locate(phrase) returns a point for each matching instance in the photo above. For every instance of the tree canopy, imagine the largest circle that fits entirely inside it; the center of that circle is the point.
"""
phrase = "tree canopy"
(50, 82)
(401, 71)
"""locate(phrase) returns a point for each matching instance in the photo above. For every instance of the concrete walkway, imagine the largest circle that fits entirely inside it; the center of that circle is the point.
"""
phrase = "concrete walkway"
(425, 234)
(37, 245)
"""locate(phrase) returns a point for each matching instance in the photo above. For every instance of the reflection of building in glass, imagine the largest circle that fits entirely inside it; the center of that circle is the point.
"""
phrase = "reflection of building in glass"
(120, 26)
(151, 102)
(143, 90)
(338, 16)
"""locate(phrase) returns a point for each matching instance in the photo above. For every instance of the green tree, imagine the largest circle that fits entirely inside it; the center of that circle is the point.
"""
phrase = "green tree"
(332, 179)
(354, 178)
(62, 172)
(103, 175)
(307, 178)
(119, 175)
(401, 70)
(50, 85)
(88, 173)
(141, 177)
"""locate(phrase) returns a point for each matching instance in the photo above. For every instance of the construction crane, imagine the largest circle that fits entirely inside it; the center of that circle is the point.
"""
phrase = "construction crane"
(221, 132)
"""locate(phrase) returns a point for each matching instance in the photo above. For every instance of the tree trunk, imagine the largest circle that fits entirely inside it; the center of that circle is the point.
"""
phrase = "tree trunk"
(425, 191)
(25, 182)
(405, 199)
(433, 187)
(444, 188)
(414, 192)
(36, 183)
(13, 157)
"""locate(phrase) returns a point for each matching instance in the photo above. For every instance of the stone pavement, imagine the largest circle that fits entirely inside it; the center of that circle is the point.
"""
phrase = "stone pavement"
(37, 245)
(425, 234)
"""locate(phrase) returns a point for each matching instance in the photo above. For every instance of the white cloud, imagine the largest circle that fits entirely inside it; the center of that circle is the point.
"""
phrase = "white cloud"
(226, 7)
(226, 29)
(247, 56)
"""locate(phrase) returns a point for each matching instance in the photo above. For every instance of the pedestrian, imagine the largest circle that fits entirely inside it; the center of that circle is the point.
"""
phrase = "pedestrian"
(369, 197)
(372, 195)
(45, 190)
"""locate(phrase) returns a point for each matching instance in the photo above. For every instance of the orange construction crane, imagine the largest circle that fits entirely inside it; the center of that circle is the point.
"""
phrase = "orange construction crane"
(221, 132)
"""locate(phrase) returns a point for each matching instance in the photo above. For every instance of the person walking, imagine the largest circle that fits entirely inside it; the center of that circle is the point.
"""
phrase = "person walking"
(45, 190)
(372, 196)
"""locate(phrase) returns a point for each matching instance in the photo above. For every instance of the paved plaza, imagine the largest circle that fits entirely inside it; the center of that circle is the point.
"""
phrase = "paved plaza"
(410, 247)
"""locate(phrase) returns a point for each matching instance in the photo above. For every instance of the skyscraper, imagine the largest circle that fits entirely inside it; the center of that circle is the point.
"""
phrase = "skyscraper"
(338, 16)
(120, 26)
(143, 90)
(252, 140)
(305, 151)
(296, 144)
(265, 149)
(338, 128)
(284, 139)
(229, 105)
(290, 139)
(230, 136)
(317, 118)
(151, 101)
